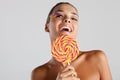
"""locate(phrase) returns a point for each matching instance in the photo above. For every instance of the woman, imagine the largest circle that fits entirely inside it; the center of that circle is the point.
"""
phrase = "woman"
(89, 65)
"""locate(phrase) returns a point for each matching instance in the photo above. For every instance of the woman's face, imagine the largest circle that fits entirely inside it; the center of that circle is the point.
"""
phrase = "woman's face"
(63, 20)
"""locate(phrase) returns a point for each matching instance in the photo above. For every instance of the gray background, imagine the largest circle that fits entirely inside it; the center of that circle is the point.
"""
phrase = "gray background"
(25, 45)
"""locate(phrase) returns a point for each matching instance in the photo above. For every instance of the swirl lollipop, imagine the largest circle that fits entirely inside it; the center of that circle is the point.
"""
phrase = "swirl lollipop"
(65, 49)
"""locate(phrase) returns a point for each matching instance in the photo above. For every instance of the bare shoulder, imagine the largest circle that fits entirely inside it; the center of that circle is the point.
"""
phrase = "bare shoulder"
(98, 58)
(95, 56)
(40, 72)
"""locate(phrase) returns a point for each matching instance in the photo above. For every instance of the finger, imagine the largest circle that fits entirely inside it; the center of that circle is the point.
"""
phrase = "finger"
(68, 73)
(75, 78)
(71, 78)
(68, 68)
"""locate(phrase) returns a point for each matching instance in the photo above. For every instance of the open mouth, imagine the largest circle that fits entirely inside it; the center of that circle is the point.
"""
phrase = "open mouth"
(65, 28)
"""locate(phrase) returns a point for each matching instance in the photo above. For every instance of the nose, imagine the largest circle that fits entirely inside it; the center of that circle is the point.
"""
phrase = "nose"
(67, 20)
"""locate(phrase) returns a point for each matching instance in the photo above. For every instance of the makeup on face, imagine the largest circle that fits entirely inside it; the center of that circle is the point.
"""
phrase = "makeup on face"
(59, 14)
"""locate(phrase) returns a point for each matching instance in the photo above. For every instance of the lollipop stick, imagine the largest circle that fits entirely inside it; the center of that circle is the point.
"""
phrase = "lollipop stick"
(68, 63)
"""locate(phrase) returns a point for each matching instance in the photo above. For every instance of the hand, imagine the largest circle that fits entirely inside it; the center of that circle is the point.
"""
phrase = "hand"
(68, 73)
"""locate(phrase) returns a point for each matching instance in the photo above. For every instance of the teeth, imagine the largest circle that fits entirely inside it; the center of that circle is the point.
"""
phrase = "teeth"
(65, 27)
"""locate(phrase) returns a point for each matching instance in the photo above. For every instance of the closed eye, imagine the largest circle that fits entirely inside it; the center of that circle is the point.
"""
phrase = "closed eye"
(59, 16)
(74, 19)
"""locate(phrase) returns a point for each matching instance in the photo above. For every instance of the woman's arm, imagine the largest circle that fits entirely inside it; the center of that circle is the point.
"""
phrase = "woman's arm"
(39, 73)
(103, 66)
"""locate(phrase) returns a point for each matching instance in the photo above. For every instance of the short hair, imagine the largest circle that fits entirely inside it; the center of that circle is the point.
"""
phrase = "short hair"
(51, 11)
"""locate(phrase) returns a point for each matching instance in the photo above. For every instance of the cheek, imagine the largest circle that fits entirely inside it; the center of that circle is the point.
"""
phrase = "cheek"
(52, 28)
(54, 24)
(76, 27)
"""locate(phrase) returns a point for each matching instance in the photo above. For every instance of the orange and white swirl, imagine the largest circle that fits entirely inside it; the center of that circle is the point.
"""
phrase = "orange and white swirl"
(65, 49)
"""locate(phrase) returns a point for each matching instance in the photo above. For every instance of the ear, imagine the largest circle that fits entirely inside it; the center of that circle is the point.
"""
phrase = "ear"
(46, 28)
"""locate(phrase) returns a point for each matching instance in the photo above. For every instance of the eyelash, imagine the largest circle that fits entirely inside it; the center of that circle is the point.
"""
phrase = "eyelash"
(58, 16)
(74, 19)
(61, 16)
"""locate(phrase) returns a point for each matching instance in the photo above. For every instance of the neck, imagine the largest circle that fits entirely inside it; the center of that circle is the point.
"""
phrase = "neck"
(54, 62)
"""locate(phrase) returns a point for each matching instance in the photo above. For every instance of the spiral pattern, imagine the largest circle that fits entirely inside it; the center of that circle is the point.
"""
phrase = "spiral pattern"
(65, 49)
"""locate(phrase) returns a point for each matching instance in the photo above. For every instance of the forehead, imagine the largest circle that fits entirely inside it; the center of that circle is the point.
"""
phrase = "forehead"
(65, 8)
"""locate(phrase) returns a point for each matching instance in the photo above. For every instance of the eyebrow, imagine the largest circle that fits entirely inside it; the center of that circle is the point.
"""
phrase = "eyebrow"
(63, 11)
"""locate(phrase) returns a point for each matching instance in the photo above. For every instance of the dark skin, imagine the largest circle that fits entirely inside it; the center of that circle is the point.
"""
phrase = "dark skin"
(89, 65)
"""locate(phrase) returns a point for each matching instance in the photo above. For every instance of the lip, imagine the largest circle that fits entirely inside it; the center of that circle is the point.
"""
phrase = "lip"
(66, 26)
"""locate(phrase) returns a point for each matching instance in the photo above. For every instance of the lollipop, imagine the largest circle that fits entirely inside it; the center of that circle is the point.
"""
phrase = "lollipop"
(65, 49)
